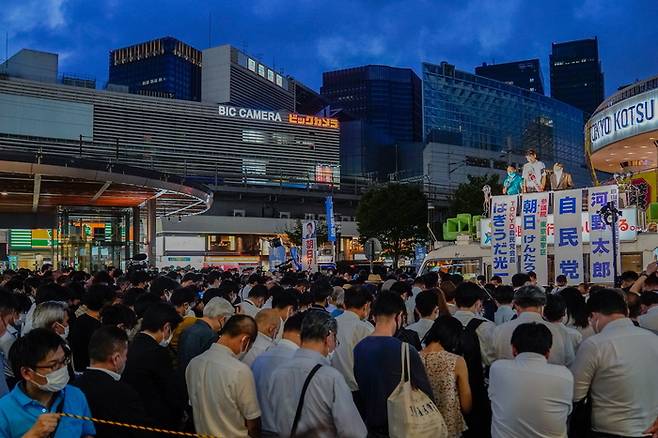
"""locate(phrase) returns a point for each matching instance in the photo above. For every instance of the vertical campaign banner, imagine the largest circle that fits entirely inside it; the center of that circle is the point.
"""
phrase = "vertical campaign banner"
(568, 246)
(601, 257)
(534, 246)
(309, 247)
(331, 226)
(503, 237)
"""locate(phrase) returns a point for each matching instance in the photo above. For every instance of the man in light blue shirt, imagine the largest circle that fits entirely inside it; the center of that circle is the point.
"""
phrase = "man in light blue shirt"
(31, 410)
(328, 409)
(265, 364)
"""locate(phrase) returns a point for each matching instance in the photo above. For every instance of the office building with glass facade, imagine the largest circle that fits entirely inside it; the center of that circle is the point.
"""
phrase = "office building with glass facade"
(387, 101)
(474, 113)
(165, 67)
(525, 74)
(576, 76)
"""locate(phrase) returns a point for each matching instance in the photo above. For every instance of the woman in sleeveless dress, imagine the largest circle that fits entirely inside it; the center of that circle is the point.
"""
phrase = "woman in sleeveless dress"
(447, 373)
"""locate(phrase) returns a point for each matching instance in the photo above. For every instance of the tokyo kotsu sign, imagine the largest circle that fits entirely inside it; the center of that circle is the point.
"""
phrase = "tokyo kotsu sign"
(624, 119)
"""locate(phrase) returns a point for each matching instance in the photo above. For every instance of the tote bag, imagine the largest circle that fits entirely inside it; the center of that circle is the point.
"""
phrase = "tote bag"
(411, 413)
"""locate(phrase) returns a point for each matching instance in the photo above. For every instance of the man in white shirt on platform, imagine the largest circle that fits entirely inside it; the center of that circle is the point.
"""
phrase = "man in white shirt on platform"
(427, 305)
(352, 328)
(529, 396)
(268, 322)
(221, 388)
(532, 173)
(529, 302)
(266, 363)
(617, 366)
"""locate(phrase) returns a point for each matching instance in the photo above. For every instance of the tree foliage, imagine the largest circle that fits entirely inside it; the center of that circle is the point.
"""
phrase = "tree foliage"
(294, 234)
(396, 214)
(468, 197)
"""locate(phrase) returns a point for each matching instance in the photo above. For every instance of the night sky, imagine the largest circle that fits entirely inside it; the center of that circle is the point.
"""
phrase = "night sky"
(306, 37)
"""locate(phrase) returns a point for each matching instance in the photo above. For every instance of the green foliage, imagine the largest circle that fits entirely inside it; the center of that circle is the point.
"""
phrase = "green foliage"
(294, 234)
(396, 214)
(468, 197)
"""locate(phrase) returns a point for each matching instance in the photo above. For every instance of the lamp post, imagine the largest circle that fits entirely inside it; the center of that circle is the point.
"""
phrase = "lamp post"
(430, 234)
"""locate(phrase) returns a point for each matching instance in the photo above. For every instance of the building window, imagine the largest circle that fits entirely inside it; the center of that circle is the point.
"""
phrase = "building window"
(261, 70)
(284, 215)
(279, 80)
(239, 213)
(251, 136)
(282, 139)
(270, 75)
(251, 65)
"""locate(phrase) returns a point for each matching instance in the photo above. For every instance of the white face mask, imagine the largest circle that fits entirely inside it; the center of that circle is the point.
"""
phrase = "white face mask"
(331, 355)
(66, 331)
(166, 342)
(55, 381)
(243, 353)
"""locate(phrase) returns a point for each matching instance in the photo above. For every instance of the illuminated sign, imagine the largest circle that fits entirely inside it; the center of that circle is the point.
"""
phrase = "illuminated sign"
(625, 119)
(320, 122)
(245, 113)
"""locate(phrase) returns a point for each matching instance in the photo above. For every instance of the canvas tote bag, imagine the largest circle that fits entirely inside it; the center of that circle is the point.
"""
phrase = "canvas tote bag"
(411, 413)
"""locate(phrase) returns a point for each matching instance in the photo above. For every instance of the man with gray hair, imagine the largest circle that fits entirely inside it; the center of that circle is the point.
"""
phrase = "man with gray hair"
(529, 302)
(52, 315)
(326, 409)
(203, 333)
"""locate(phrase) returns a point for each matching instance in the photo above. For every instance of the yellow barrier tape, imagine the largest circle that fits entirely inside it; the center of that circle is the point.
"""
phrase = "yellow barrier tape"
(136, 426)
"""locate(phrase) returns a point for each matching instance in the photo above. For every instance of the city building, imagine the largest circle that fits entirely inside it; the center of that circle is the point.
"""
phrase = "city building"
(576, 75)
(163, 160)
(233, 77)
(622, 139)
(387, 102)
(475, 125)
(164, 67)
(525, 74)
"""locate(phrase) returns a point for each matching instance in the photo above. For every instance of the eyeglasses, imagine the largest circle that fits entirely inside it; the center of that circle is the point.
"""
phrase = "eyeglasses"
(55, 365)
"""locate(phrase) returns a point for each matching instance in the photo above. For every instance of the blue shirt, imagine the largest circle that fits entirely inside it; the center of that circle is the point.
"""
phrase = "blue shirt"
(513, 184)
(18, 413)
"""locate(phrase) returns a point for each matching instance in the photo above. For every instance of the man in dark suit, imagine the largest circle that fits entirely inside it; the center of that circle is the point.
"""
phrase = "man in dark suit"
(149, 368)
(108, 397)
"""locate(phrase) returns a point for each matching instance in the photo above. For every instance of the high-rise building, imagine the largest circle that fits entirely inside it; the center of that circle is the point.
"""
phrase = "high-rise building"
(230, 76)
(475, 125)
(165, 67)
(576, 76)
(525, 74)
(388, 102)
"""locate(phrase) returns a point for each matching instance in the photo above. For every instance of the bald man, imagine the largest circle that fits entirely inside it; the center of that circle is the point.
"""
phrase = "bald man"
(268, 322)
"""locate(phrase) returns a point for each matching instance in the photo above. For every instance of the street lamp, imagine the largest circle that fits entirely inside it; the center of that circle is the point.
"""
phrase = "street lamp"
(431, 236)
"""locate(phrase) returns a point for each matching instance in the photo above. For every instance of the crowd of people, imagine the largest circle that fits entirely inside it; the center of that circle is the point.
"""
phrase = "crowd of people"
(232, 354)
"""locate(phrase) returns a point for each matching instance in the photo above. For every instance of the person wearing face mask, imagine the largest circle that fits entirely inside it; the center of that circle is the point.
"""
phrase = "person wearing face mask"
(267, 321)
(254, 302)
(149, 369)
(109, 398)
(221, 387)
(378, 367)
(353, 326)
(529, 302)
(8, 306)
(328, 409)
(555, 312)
(513, 183)
(96, 297)
(52, 315)
(285, 302)
(31, 409)
(183, 299)
(265, 364)
(559, 179)
(616, 366)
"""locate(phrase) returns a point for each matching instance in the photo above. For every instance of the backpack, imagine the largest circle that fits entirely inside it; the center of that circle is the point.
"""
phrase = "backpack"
(479, 419)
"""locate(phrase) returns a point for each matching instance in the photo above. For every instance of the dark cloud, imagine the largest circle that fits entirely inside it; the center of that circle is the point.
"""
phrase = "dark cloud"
(307, 37)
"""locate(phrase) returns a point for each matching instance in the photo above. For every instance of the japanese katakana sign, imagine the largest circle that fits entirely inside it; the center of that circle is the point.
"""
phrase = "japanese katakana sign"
(601, 249)
(503, 236)
(534, 245)
(567, 207)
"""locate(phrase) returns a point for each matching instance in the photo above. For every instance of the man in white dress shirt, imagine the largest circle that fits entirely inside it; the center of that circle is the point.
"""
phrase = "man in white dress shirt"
(649, 306)
(427, 305)
(468, 297)
(352, 328)
(257, 297)
(528, 302)
(532, 173)
(266, 363)
(267, 321)
(555, 312)
(529, 396)
(617, 366)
